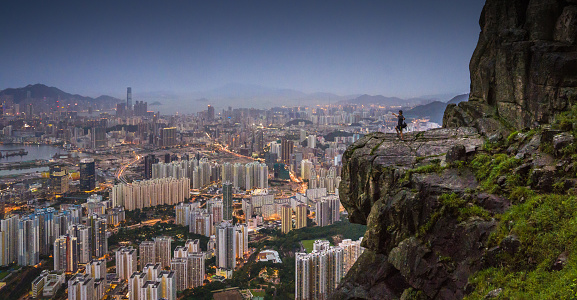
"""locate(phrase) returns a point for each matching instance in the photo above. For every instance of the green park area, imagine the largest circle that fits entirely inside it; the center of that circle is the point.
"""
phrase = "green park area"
(308, 245)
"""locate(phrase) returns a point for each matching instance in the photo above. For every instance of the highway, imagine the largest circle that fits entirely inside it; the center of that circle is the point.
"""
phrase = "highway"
(124, 167)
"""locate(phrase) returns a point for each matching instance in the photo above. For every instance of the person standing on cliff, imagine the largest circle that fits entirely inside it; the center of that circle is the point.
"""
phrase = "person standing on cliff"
(400, 123)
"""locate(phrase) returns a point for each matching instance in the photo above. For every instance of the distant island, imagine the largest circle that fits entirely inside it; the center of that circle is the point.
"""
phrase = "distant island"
(155, 103)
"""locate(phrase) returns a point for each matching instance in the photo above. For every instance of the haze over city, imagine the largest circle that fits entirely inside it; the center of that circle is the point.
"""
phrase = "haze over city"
(192, 49)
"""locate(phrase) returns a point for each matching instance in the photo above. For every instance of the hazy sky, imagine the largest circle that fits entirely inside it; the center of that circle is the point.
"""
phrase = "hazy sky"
(395, 48)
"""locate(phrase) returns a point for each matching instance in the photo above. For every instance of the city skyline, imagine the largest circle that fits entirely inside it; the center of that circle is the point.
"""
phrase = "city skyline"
(393, 49)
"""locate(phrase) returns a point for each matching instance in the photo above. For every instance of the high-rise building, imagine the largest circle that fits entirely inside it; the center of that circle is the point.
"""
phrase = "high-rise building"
(99, 241)
(352, 250)
(96, 269)
(301, 216)
(58, 180)
(87, 174)
(66, 254)
(147, 252)
(317, 274)
(81, 287)
(82, 235)
(327, 210)
(28, 241)
(287, 148)
(149, 160)
(98, 137)
(125, 262)
(163, 250)
(153, 192)
(9, 241)
(135, 283)
(196, 269)
(227, 200)
(121, 109)
(128, 98)
(225, 246)
(286, 218)
(167, 286)
(167, 137)
(210, 113)
(180, 267)
(152, 283)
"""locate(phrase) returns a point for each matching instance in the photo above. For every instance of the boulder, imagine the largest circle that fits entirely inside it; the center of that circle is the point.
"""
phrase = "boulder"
(562, 139)
(456, 153)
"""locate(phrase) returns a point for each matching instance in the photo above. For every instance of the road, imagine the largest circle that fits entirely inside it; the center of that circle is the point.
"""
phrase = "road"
(124, 167)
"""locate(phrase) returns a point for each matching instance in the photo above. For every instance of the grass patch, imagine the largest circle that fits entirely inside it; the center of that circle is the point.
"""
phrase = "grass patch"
(546, 225)
(488, 169)
(308, 244)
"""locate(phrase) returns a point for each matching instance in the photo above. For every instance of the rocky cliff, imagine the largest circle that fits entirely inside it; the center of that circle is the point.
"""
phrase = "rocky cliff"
(484, 207)
(394, 188)
(524, 69)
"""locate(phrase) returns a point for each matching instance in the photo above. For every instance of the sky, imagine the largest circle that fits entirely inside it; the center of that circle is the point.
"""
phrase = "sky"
(394, 48)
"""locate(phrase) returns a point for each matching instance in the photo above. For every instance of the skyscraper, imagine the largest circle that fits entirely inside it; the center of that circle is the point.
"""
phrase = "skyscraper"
(227, 200)
(98, 137)
(287, 147)
(81, 287)
(125, 262)
(149, 160)
(317, 274)
(28, 241)
(225, 246)
(196, 269)
(163, 250)
(147, 252)
(286, 218)
(66, 254)
(99, 241)
(87, 174)
(58, 180)
(301, 216)
(128, 98)
(180, 267)
(9, 240)
(82, 235)
(167, 137)
(96, 269)
(210, 113)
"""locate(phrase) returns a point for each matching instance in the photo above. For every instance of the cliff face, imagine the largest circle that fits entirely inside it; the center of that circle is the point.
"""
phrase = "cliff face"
(524, 69)
(417, 236)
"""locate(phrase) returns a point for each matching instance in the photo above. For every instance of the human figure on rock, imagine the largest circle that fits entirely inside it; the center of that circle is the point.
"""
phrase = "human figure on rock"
(400, 124)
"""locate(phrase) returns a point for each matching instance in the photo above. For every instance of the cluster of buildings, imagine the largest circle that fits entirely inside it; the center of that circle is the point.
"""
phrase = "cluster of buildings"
(317, 274)
(46, 232)
(152, 192)
(201, 173)
(162, 272)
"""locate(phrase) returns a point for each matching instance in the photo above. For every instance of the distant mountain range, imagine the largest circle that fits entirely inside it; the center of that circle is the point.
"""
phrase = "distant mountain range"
(434, 111)
(241, 96)
(41, 91)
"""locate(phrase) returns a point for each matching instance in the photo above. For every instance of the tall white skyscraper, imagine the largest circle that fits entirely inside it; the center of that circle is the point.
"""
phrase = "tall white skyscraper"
(28, 241)
(225, 246)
